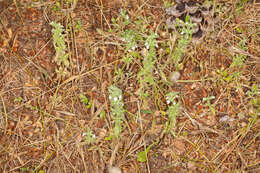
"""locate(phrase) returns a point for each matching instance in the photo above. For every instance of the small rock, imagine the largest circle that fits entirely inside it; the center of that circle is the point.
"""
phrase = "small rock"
(174, 76)
(114, 170)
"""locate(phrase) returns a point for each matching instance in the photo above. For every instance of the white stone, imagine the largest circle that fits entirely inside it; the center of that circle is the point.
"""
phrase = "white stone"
(114, 170)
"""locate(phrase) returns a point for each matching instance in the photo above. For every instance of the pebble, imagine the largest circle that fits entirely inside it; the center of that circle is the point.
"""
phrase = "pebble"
(114, 170)
(174, 76)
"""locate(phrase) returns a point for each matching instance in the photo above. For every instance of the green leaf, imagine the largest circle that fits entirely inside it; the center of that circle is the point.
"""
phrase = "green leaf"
(141, 156)
(146, 111)
(108, 138)
(18, 99)
(83, 99)
(23, 169)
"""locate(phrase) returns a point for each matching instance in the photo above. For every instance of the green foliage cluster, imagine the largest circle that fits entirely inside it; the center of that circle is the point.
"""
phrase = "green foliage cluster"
(173, 109)
(145, 75)
(185, 30)
(85, 100)
(61, 57)
(254, 97)
(117, 108)
(210, 105)
(89, 136)
(134, 39)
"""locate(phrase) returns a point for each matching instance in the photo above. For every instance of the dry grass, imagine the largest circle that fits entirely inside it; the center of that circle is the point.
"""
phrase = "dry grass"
(45, 126)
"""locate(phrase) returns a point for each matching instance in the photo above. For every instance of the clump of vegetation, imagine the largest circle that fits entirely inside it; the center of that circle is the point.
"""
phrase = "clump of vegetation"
(85, 100)
(117, 108)
(138, 37)
(185, 30)
(145, 76)
(61, 56)
(173, 109)
(89, 136)
(209, 104)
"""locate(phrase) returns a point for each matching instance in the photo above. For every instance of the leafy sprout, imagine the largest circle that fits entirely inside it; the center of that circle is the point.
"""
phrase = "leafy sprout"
(117, 108)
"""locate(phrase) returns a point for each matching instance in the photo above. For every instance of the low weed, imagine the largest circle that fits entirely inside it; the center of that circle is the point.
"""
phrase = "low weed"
(209, 104)
(173, 110)
(142, 156)
(185, 30)
(117, 108)
(85, 101)
(139, 43)
(61, 56)
(234, 71)
(89, 136)
(145, 75)
(254, 97)
(239, 59)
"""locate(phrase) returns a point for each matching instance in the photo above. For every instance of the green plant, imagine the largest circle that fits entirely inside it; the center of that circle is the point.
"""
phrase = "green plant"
(142, 155)
(239, 6)
(185, 30)
(228, 76)
(117, 108)
(89, 136)
(23, 169)
(173, 109)
(167, 3)
(233, 73)
(61, 57)
(134, 37)
(254, 97)
(85, 100)
(145, 75)
(238, 60)
(210, 105)
(18, 99)
(78, 26)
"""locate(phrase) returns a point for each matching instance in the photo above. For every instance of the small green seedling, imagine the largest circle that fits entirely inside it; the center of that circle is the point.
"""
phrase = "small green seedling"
(254, 96)
(167, 3)
(142, 156)
(78, 26)
(18, 99)
(23, 169)
(211, 106)
(89, 136)
(85, 100)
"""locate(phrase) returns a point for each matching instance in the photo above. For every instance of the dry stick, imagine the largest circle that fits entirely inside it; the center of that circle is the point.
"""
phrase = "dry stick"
(73, 6)
(5, 114)
(76, 77)
(129, 145)
(82, 155)
(44, 160)
(75, 43)
(200, 126)
(18, 11)
(42, 118)
(113, 155)
(30, 60)
(197, 148)
(239, 138)
(230, 150)
(102, 14)
(141, 124)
